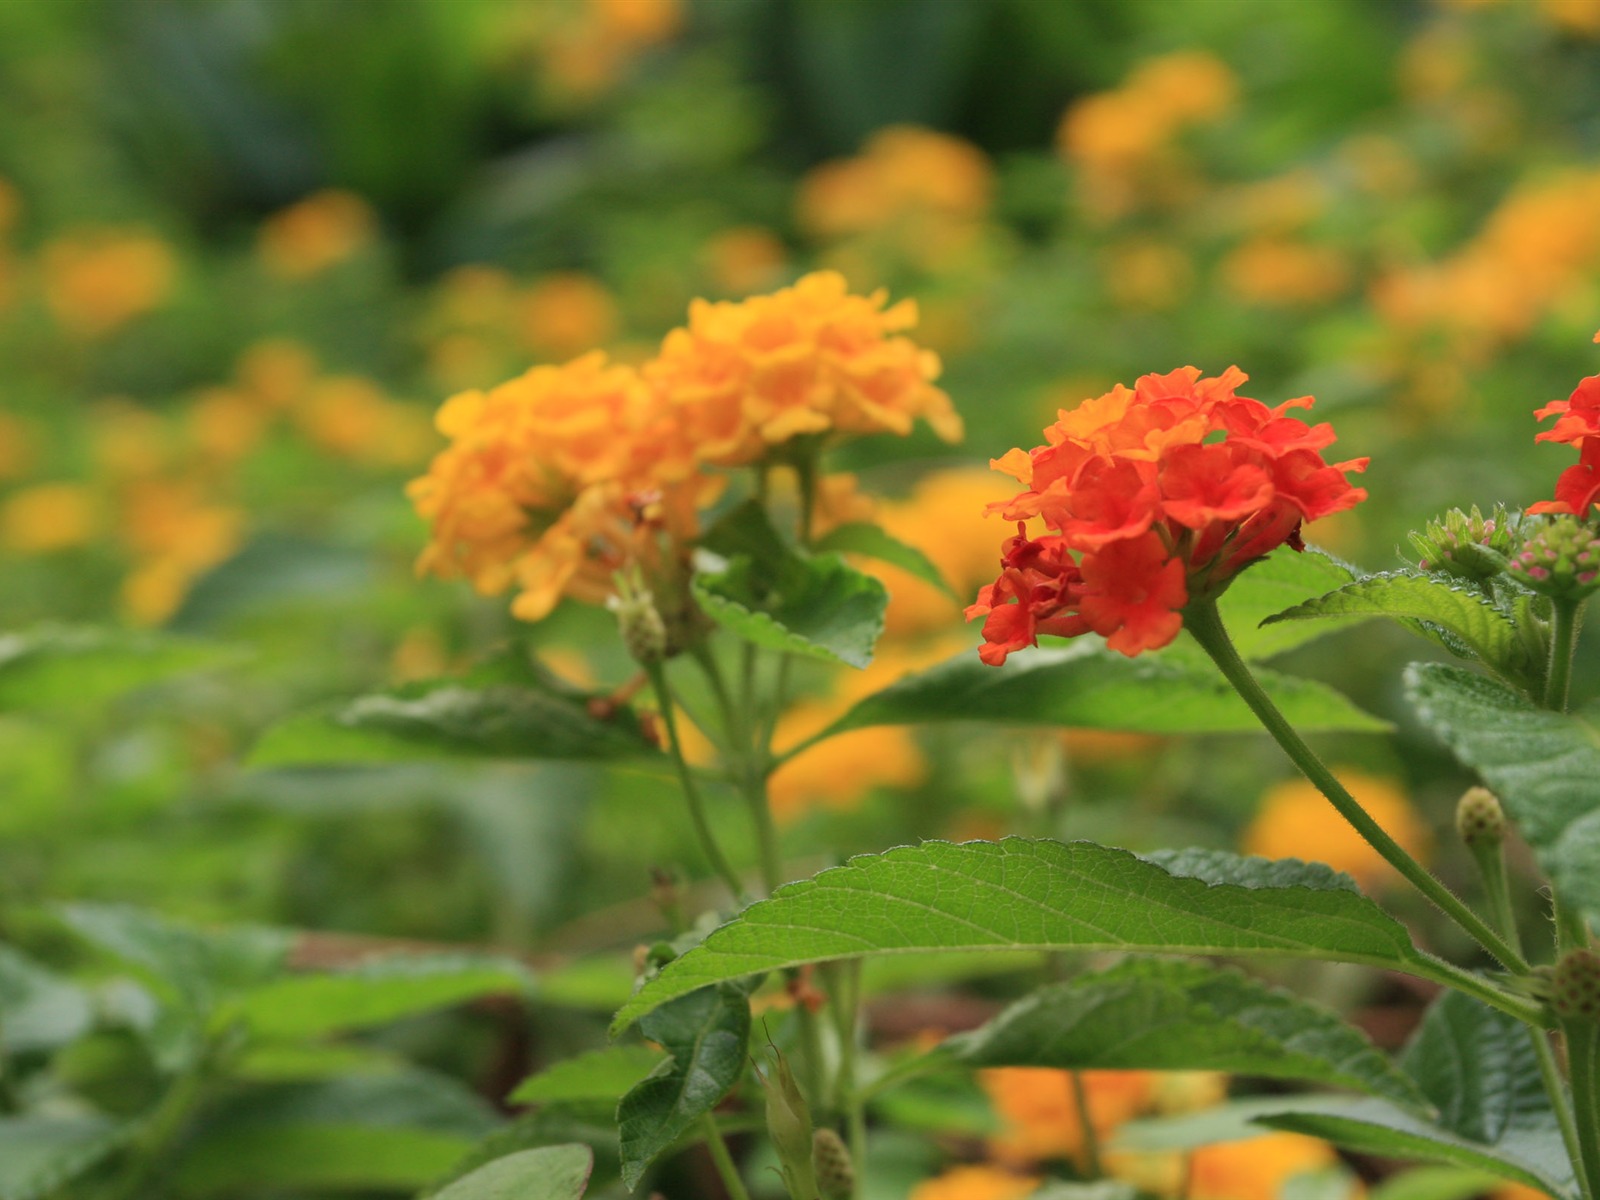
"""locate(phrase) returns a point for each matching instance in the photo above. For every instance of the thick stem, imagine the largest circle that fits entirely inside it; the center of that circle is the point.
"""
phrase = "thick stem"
(1581, 1049)
(691, 790)
(1204, 624)
(1563, 635)
(726, 1168)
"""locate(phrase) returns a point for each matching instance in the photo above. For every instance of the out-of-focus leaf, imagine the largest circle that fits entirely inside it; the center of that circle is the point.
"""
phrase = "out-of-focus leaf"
(40, 1155)
(1025, 894)
(549, 1173)
(39, 1010)
(872, 541)
(706, 1033)
(1542, 764)
(818, 607)
(58, 668)
(605, 1074)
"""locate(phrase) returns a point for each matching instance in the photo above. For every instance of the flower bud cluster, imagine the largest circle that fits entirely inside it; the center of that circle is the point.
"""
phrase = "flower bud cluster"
(1575, 987)
(1467, 545)
(1560, 560)
(1480, 820)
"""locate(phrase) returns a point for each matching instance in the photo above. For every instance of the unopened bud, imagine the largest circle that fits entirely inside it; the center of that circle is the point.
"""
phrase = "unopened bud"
(1575, 987)
(836, 1173)
(789, 1126)
(1560, 559)
(644, 633)
(1479, 818)
(1466, 545)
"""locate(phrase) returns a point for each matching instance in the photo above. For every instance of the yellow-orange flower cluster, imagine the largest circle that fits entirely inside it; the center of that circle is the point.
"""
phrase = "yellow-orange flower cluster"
(557, 479)
(903, 171)
(1296, 821)
(98, 280)
(1154, 494)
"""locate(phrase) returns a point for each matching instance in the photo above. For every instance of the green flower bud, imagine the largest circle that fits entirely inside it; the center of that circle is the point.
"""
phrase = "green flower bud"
(1575, 987)
(1560, 560)
(1467, 545)
(1479, 818)
(789, 1126)
(836, 1174)
(644, 633)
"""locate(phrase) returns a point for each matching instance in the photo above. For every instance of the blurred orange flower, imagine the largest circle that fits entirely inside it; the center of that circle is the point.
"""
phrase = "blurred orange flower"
(1296, 821)
(745, 259)
(902, 171)
(49, 517)
(317, 233)
(1040, 1110)
(566, 313)
(1256, 1168)
(97, 280)
(975, 1183)
(1284, 273)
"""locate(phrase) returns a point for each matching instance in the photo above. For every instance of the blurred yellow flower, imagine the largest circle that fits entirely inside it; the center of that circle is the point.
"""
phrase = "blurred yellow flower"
(350, 416)
(1296, 821)
(1515, 1191)
(97, 280)
(564, 314)
(1575, 16)
(1040, 1111)
(1280, 272)
(743, 377)
(1256, 1168)
(225, 424)
(276, 372)
(583, 46)
(49, 517)
(317, 233)
(1148, 273)
(745, 259)
(976, 1183)
(902, 171)
(176, 533)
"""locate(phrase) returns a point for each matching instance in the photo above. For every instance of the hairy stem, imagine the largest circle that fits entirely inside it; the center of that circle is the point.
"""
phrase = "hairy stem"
(1563, 635)
(726, 1167)
(1204, 624)
(1581, 1050)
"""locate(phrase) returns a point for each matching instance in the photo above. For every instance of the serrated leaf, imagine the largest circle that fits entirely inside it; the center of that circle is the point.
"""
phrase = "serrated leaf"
(1043, 895)
(873, 541)
(1183, 1016)
(1479, 1068)
(375, 993)
(818, 607)
(605, 1074)
(706, 1033)
(58, 668)
(1469, 619)
(1376, 1127)
(447, 720)
(199, 967)
(1282, 579)
(549, 1173)
(1085, 686)
(38, 1155)
(39, 1010)
(1542, 764)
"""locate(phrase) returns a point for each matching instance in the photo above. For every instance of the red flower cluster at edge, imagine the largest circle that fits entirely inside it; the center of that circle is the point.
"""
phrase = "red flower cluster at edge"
(1152, 496)
(1577, 424)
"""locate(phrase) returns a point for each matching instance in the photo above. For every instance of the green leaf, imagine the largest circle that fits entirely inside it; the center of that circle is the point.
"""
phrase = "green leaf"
(58, 668)
(196, 966)
(599, 1075)
(706, 1033)
(872, 541)
(1478, 1067)
(39, 1155)
(1085, 686)
(375, 993)
(1183, 1016)
(819, 607)
(364, 1132)
(1043, 895)
(1542, 764)
(39, 1010)
(1435, 1183)
(1379, 1128)
(504, 709)
(1466, 617)
(549, 1173)
(1283, 578)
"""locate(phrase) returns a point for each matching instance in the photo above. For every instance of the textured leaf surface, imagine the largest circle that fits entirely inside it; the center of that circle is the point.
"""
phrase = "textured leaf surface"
(58, 668)
(707, 1034)
(40, 1154)
(1025, 894)
(605, 1074)
(1282, 579)
(375, 993)
(1543, 765)
(1183, 1016)
(548, 1173)
(871, 541)
(819, 607)
(1088, 687)
(1464, 615)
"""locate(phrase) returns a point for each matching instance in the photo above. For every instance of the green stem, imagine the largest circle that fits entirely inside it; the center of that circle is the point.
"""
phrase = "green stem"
(691, 790)
(164, 1126)
(844, 994)
(1091, 1139)
(1581, 1064)
(1563, 634)
(725, 1164)
(1204, 624)
(1572, 929)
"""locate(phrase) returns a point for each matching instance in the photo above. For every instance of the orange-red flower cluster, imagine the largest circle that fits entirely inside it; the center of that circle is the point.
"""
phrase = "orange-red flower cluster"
(554, 481)
(1153, 495)
(1577, 424)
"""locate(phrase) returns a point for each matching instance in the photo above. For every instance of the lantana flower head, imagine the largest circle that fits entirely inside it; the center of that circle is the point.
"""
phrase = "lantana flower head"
(1577, 424)
(1152, 496)
(744, 377)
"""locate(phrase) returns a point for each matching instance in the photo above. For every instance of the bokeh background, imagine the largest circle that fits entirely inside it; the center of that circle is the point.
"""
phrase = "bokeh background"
(247, 247)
